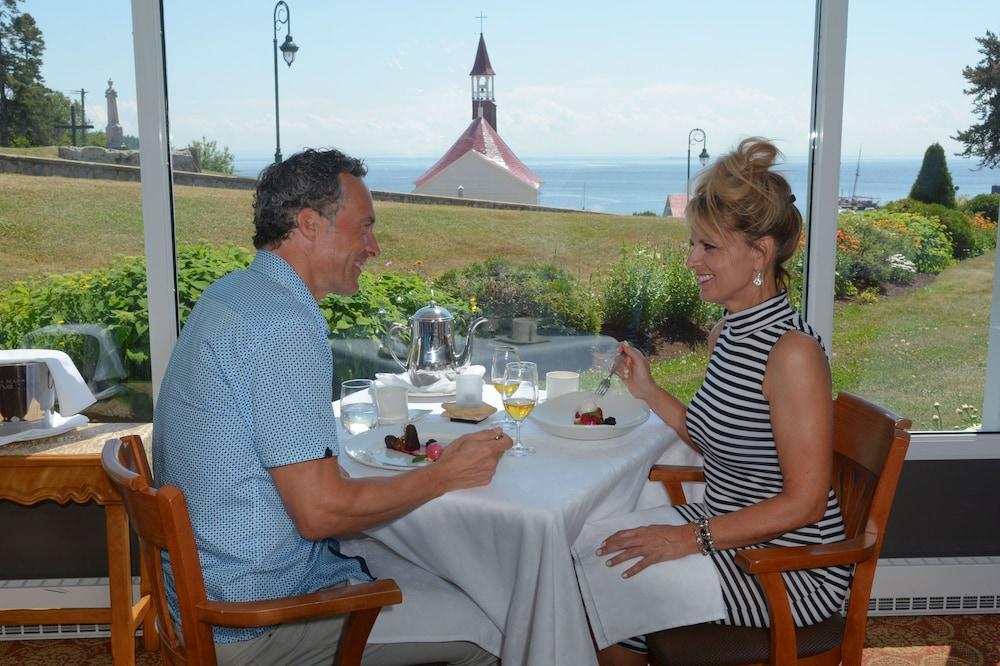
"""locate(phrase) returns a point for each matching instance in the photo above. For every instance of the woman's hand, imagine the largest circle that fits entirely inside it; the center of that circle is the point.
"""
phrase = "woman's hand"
(651, 544)
(635, 372)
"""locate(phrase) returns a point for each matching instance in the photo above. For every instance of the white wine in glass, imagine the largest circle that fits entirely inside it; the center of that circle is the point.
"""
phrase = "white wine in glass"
(520, 384)
(502, 355)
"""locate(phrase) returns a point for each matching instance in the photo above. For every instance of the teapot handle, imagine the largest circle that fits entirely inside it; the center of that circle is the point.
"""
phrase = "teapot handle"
(388, 342)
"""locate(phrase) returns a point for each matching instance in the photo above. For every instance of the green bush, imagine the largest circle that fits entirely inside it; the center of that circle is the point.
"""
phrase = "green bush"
(933, 184)
(986, 205)
(648, 289)
(503, 291)
(209, 157)
(922, 240)
(115, 297)
(965, 242)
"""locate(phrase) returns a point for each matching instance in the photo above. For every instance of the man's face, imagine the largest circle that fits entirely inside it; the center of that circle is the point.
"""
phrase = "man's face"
(345, 243)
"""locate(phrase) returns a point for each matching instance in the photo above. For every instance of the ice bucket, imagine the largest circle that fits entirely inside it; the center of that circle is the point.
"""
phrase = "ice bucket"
(27, 392)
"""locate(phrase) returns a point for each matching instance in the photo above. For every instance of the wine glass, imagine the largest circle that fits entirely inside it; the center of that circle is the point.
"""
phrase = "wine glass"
(502, 355)
(358, 409)
(520, 393)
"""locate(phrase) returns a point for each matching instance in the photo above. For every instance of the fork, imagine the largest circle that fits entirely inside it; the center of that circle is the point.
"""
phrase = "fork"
(605, 384)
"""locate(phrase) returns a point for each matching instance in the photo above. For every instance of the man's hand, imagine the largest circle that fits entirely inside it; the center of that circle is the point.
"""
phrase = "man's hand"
(471, 460)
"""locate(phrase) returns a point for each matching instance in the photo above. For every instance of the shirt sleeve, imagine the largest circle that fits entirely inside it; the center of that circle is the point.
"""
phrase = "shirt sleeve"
(292, 394)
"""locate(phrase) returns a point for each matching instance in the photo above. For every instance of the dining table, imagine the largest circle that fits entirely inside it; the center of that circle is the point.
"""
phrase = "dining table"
(507, 545)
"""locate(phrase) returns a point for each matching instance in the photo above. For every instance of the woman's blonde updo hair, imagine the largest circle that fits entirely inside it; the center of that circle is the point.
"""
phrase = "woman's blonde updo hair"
(740, 193)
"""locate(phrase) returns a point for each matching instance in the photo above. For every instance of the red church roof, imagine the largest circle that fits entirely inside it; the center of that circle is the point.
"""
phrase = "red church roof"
(482, 66)
(483, 139)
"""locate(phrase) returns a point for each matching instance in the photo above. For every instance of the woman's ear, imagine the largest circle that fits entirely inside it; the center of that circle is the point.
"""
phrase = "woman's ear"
(764, 248)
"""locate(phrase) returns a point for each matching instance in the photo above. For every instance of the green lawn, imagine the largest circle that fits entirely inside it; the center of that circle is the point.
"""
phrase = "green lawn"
(58, 225)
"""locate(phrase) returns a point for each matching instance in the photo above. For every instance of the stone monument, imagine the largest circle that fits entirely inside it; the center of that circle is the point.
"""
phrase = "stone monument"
(115, 135)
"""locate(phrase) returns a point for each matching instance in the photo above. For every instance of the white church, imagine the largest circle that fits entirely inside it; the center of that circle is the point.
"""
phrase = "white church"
(480, 165)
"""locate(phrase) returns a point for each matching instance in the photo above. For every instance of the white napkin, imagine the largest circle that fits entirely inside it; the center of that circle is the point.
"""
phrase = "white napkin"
(446, 385)
(57, 424)
(666, 595)
(71, 391)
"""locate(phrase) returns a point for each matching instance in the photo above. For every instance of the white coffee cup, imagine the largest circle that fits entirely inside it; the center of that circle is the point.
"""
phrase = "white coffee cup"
(524, 329)
(560, 382)
(391, 403)
(469, 390)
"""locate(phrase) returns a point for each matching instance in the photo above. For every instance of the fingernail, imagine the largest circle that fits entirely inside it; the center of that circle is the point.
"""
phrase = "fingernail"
(599, 551)
(624, 574)
(608, 563)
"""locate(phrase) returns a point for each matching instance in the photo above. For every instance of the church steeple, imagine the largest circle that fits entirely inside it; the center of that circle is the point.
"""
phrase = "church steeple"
(483, 103)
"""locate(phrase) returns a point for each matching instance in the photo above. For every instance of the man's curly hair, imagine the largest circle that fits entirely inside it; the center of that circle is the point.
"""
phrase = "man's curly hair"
(309, 179)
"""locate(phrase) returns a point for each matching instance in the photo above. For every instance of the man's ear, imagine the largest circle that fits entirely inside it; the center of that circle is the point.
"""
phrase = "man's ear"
(307, 221)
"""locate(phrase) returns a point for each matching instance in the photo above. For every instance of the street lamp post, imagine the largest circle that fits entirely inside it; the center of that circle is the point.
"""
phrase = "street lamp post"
(282, 16)
(697, 135)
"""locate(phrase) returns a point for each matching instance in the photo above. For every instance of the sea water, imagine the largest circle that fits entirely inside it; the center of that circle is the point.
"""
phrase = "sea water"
(627, 185)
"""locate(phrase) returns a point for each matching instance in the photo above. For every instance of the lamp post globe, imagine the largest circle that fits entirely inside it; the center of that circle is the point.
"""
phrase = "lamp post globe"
(282, 17)
(697, 135)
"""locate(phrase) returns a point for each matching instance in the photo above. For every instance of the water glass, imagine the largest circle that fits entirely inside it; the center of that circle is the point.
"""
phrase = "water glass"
(520, 393)
(358, 408)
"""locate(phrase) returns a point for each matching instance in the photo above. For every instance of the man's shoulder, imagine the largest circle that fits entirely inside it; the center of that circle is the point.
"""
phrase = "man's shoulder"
(252, 294)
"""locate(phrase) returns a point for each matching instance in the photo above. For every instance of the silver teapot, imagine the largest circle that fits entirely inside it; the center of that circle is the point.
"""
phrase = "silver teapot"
(432, 355)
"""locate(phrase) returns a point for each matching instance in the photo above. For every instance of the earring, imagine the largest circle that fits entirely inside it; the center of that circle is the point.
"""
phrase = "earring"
(758, 280)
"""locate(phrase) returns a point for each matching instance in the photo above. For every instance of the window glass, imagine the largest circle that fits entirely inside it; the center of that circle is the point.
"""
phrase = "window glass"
(914, 279)
(591, 110)
(72, 274)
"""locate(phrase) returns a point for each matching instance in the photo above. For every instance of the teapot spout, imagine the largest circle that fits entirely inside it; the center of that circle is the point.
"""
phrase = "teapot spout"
(465, 358)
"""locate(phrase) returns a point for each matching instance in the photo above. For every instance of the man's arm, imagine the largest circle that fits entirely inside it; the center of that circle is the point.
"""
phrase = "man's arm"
(323, 503)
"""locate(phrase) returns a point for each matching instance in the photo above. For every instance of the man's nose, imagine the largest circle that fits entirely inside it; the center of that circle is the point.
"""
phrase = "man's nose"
(372, 246)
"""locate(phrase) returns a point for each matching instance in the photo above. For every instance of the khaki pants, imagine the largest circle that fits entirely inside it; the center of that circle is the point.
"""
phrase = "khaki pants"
(315, 642)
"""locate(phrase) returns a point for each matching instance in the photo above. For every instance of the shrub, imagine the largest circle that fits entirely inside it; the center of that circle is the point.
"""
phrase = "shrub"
(933, 184)
(923, 239)
(210, 158)
(957, 225)
(984, 230)
(503, 291)
(115, 297)
(650, 288)
(986, 205)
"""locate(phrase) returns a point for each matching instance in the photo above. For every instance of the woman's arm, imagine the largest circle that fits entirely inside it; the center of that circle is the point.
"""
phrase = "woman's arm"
(797, 385)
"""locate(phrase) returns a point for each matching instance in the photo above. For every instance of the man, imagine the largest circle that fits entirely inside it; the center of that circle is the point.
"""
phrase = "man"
(244, 424)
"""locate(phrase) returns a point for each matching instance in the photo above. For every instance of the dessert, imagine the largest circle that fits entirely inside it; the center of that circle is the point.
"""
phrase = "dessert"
(410, 443)
(590, 414)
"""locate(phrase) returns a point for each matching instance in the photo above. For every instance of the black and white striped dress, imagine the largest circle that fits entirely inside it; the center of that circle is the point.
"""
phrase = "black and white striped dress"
(730, 419)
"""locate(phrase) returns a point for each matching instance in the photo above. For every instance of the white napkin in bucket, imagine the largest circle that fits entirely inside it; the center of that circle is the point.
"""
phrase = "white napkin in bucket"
(665, 595)
(71, 391)
(55, 425)
(442, 386)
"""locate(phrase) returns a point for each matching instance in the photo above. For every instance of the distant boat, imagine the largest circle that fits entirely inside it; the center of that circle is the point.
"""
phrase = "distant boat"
(857, 201)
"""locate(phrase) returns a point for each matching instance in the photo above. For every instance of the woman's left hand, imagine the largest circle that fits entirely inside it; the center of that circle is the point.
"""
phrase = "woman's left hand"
(651, 544)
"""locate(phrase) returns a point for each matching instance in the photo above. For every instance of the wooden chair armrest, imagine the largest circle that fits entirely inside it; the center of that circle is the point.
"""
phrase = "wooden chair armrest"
(334, 601)
(667, 473)
(777, 559)
(671, 477)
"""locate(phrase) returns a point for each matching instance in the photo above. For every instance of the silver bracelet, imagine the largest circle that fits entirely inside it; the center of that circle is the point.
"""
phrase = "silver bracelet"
(704, 537)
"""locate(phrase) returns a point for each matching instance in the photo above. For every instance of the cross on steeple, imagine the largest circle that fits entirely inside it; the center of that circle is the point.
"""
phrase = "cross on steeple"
(482, 17)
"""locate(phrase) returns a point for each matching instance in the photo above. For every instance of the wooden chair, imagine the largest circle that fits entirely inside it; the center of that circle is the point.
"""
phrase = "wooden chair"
(160, 518)
(869, 446)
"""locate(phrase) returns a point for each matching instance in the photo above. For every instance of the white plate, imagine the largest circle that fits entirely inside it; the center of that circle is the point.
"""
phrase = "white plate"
(435, 395)
(556, 416)
(369, 448)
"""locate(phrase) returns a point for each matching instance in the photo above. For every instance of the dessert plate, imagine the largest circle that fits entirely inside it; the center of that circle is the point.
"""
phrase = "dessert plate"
(369, 448)
(556, 416)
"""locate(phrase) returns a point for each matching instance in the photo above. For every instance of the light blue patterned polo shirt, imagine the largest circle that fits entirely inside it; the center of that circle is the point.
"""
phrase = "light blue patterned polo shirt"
(249, 386)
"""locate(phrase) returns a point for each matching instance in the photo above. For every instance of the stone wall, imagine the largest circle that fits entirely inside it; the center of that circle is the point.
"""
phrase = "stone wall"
(181, 158)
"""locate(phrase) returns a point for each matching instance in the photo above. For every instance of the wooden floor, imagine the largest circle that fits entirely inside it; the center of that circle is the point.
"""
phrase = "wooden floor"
(941, 640)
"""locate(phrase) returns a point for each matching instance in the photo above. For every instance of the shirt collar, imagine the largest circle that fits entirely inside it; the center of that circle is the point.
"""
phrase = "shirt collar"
(759, 316)
(280, 271)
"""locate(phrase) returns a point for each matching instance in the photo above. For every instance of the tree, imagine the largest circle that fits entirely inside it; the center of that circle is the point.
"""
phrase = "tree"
(982, 140)
(208, 157)
(933, 184)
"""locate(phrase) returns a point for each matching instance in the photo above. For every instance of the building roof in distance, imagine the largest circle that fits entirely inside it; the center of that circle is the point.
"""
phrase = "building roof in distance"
(482, 66)
(482, 138)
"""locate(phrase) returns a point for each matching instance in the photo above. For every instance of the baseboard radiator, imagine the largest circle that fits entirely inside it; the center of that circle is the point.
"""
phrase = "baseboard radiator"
(909, 586)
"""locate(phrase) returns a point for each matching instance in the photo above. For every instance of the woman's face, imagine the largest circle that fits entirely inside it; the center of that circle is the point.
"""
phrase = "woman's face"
(725, 264)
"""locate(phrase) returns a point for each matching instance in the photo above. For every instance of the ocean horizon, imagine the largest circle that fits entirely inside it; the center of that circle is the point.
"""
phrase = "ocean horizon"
(627, 185)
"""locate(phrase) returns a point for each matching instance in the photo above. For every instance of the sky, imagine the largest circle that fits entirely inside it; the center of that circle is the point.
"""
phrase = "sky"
(390, 78)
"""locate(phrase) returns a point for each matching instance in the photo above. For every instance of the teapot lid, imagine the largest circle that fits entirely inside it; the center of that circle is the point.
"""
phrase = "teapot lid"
(432, 312)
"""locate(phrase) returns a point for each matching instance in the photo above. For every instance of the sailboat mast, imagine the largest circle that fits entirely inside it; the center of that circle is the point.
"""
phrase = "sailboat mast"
(857, 172)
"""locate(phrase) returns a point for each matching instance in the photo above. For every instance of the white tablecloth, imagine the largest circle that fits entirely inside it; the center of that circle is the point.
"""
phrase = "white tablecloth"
(507, 545)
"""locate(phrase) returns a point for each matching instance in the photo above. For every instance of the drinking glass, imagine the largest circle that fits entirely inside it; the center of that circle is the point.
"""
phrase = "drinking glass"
(358, 409)
(502, 355)
(520, 393)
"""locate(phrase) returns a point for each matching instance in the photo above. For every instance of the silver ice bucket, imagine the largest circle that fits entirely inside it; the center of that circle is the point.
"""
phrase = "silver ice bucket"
(27, 392)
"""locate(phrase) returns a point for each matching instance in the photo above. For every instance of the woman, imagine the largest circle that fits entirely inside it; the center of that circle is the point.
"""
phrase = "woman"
(763, 418)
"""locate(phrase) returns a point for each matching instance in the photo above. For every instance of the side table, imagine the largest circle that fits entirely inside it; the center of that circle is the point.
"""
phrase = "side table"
(67, 468)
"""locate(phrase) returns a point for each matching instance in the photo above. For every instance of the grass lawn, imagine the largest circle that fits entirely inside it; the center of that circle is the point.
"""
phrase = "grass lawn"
(60, 225)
